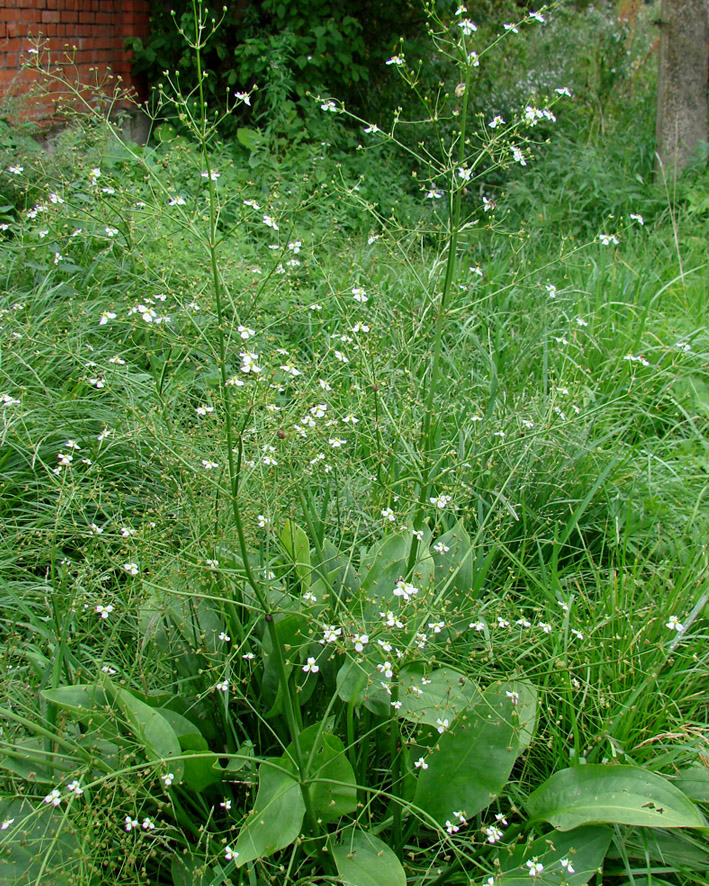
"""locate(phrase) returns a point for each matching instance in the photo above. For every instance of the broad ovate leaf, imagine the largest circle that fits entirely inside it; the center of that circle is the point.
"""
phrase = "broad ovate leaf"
(439, 695)
(277, 817)
(473, 759)
(582, 849)
(364, 860)
(619, 794)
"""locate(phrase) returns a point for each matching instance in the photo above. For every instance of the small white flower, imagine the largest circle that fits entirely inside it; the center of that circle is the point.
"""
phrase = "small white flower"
(513, 697)
(467, 27)
(243, 97)
(16, 170)
(131, 823)
(4, 825)
(388, 515)
(496, 121)
(608, 239)
(53, 797)
(230, 854)
(545, 627)
(226, 804)
(330, 634)
(518, 155)
(433, 194)
(566, 864)
(441, 548)
(436, 626)
(477, 625)
(212, 175)
(535, 868)
(103, 611)
(465, 173)
(421, 763)
(95, 529)
(405, 589)
(538, 17)
(637, 217)
(168, 779)
(213, 564)
(360, 641)
(442, 725)
(147, 824)
(359, 295)
(310, 667)
(513, 28)
(386, 669)
(176, 201)
(441, 501)
(111, 232)
(452, 828)
(105, 317)
(223, 686)
(397, 60)
(131, 568)
(674, 624)
(493, 834)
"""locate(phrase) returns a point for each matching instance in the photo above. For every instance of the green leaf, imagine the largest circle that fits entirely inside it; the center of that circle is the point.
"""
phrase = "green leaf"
(333, 784)
(454, 567)
(620, 794)
(296, 545)
(277, 816)
(426, 698)
(249, 138)
(585, 847)
(150, 729)
(86, 701)
(694, 782)
(473, 758)
(364, 860)
(36, 843)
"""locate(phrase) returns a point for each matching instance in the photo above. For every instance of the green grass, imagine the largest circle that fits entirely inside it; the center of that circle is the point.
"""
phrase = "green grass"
(574, 477)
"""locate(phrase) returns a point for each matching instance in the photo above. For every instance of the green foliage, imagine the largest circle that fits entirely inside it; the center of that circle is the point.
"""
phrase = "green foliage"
(350, 530)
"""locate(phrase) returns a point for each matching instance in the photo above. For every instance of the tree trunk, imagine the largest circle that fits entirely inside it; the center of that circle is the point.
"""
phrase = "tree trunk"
(682, 83)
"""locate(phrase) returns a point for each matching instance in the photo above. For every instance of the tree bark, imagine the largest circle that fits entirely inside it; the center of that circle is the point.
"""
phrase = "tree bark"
(682, 83)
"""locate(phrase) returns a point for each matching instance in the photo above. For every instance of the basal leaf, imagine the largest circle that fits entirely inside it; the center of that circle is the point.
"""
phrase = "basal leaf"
(364, 860)
(427, 698)
(584, 848)
(333, 785)
(150, 729)
(297, 548)
(474, 756)
(277, 816)
(620, 794)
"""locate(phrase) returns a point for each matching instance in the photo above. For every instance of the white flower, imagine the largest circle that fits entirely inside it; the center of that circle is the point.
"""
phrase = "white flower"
(488, 205)
(223, 686)
(359, 295)
(131, 823)
(95, 529)
(535, 868)
(252, 204)
(176, 201)
(270, 223)
(538, 17)
(421, 763)
(55, 198)
(436, 626)
(608, 239)
(372, 129)
(53, 797)
(405, 589)
(502, 622)
(566, 864)
(16, 170)
(105, 317)
(6, 824)
(360, 641)
(545, 627)
(513, 697)
(310, 667)
(518, 155)
(213, 564)
(441, 548)
(230, 854)
(467, 27)
(464, 172)
(131, 568)
(243, 97)
(433, 194)
(496, 121)
(111, 232)
(249, 362)
(147, 824)
(388, 515)
(493, 834)
(386, 669)
(329, 106)
(442, 725)
(441, 501)
(477, 625)
(168, 779)
(637, 217)
(103, 611)
(204, 410)
(330, 634)
(674, 624)
(513, 28)
(212, 175)
(397, 60)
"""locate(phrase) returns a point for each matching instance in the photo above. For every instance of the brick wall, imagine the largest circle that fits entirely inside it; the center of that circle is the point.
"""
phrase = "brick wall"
(85, 37)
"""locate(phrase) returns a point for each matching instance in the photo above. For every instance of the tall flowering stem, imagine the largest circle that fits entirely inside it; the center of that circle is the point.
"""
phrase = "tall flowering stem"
(203, 132)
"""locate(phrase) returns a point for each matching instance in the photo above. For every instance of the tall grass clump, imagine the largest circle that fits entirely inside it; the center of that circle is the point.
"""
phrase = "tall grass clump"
(350, 539)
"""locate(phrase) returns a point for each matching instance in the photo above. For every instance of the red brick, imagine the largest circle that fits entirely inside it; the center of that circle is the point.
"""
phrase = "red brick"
(49, 15)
